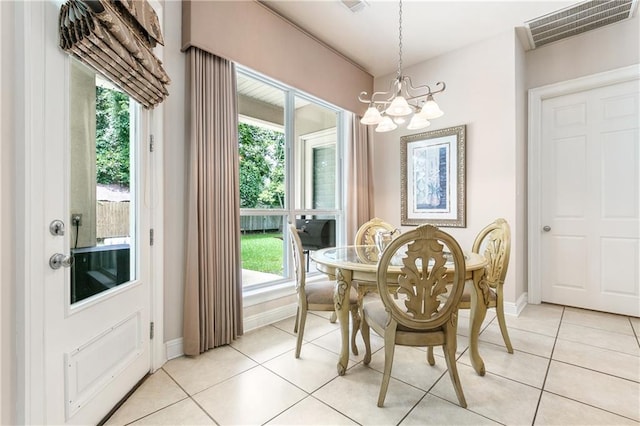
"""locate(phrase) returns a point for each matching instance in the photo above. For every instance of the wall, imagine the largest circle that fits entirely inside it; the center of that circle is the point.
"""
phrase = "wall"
(481, 93)
(174, 185)
(521, 248)
(607, 48)
(486, 89)
(8, 383)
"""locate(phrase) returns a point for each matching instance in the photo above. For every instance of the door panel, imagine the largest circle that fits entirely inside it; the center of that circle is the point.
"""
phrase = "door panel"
(96, 349)
(590, 187)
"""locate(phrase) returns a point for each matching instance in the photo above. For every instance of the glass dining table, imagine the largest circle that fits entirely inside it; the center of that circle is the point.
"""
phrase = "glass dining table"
(357, 266)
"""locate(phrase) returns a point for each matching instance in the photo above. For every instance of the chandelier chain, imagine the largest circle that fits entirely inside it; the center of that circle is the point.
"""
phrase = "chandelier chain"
(400, 41)
(388, 109)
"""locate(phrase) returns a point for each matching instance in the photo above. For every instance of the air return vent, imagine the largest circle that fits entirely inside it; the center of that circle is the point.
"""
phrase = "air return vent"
(355, 5)
(578, 19)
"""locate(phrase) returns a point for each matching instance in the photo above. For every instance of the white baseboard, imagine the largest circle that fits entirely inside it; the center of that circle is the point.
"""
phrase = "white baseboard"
(174, 348)
(269, 317)
(516, 308)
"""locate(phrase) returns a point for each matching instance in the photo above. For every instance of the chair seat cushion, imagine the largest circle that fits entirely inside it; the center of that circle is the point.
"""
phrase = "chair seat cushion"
(375, 312)
(468, 291)
(321, 293)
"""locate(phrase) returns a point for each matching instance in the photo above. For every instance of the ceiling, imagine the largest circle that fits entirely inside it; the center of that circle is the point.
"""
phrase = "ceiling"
(430, 28)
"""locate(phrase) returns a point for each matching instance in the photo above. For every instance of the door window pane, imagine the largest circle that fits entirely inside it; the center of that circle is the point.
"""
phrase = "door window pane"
(101, 203)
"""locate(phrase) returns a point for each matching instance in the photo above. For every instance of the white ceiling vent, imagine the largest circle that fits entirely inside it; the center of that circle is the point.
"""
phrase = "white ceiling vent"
(578, 19)
(355, 5)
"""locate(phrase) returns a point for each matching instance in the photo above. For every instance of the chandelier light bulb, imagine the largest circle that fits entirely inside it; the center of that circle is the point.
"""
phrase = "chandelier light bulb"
(372, 116)
(386, 125)
(399, 107)
(418, 121)
(430, 109)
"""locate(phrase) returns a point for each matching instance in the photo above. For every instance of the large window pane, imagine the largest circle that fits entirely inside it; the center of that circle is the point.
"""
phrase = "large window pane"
(289, 173)
(316, 161)
(262, 249)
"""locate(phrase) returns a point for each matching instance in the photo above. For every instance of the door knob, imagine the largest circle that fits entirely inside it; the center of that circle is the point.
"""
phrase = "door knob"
(546, 228)
(59, 260)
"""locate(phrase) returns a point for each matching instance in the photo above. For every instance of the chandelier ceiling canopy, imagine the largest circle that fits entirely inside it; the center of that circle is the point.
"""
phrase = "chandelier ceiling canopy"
(389, 109)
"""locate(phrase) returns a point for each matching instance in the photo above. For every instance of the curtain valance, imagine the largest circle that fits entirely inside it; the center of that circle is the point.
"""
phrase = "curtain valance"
(116, 38)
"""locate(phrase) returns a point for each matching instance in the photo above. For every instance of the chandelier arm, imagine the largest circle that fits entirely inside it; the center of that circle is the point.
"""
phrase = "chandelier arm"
(389, 97)
(389, 94)
(410, 89)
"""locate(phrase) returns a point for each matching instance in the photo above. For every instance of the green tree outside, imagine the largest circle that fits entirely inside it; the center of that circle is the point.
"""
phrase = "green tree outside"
(112, 137)
(261, 167)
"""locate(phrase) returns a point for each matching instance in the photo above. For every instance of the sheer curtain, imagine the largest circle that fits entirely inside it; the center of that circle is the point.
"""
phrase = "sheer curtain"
(359, 177)
(213, 280)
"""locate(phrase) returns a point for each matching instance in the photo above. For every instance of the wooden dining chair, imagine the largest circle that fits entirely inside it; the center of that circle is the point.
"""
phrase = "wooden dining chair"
(317, 295)
(494, 243)
(367, 231)
(416, 317)
(365, 237)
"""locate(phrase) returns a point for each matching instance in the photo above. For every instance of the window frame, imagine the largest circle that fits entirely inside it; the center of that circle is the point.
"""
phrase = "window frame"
(296, 156)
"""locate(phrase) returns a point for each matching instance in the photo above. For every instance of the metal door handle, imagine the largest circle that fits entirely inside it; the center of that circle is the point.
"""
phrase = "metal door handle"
(546, 228)
(59, 260)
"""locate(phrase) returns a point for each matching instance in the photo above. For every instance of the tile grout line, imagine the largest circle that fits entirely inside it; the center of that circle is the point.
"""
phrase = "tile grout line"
(544, 382)
(189, 396)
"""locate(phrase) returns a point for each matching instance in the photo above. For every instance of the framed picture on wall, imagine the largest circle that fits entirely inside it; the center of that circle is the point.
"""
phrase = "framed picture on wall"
(433, 178)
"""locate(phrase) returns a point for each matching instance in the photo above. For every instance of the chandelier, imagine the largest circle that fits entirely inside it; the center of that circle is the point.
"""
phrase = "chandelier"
(389, 109)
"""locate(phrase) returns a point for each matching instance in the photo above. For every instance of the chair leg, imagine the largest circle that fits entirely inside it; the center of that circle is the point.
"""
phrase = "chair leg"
(450, 356)
(389, 349)
(503, 324)
(295, 326)
(430, 358)
(355, 318)
(364, 330)
(303, 318)
(334, 317)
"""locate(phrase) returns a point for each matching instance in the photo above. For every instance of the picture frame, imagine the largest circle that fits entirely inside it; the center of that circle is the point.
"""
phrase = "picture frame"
(433, 178)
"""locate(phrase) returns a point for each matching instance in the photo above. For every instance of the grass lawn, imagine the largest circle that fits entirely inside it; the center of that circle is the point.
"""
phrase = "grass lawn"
(262, 252)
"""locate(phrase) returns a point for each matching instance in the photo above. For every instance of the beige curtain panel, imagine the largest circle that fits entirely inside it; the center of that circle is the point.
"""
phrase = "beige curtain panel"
(359, 177)
(116, 38)
(213, 281)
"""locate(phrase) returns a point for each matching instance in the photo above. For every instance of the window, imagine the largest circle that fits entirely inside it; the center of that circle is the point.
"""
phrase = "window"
(290, 147)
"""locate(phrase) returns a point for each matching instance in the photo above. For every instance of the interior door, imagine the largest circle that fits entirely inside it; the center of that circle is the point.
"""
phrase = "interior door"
(590, 194)
(95, 341)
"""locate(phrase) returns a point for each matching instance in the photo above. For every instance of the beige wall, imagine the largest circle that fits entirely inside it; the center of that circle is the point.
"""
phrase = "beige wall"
(175, 156)
(607, 48)
(250, 34)
(487, 87)
(520, 248)
(8, 362)
(481, 93)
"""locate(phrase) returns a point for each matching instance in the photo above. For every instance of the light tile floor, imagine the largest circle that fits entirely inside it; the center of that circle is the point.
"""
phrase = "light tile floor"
(570, 366)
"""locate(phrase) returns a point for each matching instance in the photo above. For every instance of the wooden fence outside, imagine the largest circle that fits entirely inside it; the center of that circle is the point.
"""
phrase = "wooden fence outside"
(112, 219)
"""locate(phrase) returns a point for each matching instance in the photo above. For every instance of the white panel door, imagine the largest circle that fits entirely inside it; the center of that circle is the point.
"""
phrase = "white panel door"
(590, 195)
(95, 346)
